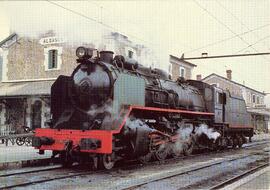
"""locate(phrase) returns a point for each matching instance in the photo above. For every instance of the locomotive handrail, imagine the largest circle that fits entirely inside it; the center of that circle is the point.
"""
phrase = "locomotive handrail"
(133, 107)
(172, 110)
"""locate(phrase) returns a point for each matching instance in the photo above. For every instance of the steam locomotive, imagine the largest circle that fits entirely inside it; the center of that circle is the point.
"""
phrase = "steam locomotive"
(113, 108)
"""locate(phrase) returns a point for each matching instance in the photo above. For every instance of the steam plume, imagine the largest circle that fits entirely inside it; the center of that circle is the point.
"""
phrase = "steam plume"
(209, 132)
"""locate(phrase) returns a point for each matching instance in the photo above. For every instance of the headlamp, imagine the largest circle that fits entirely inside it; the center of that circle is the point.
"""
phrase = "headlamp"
(84, 53)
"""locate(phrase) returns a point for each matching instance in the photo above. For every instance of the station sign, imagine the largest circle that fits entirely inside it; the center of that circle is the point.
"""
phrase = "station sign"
(51, 40)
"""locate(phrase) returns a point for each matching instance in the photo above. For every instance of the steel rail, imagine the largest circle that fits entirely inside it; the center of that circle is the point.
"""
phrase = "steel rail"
(35, 170)
(170, 175)
(238, 177)
(47, 177)
(117, 168)
(44, 180)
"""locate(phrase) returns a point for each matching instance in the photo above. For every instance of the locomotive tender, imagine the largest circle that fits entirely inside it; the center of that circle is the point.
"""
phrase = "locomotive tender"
(113, 108)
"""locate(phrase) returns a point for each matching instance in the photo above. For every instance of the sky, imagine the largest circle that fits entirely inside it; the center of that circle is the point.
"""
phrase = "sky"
(192, 27)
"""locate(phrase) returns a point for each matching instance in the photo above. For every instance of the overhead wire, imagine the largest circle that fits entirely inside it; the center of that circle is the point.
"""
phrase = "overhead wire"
(115, 29)
(95, 20)
(226, 39)
(260, 40)
(239, 20)
(226, 26)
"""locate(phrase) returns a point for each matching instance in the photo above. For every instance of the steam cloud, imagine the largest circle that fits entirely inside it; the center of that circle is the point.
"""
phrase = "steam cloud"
(186, 135)
(132, 124)
(32, 19)
(106, 107)
(209, 132)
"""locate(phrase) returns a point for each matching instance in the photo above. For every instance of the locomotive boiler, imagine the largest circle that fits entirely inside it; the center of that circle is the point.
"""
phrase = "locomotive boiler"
(113, 108)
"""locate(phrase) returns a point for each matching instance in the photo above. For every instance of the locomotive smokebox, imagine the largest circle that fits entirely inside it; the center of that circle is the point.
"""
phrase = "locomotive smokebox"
(106, 56)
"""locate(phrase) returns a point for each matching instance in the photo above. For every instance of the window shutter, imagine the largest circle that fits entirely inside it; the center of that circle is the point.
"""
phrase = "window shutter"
(50, 59)
(55, 59)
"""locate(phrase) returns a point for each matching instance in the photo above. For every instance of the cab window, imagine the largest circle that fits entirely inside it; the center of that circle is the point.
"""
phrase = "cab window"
(221, 98)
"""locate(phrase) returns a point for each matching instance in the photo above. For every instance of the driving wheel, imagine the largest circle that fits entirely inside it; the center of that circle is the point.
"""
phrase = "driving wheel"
(20, 141)
(106, 161)
(161, 153)
(146, 158)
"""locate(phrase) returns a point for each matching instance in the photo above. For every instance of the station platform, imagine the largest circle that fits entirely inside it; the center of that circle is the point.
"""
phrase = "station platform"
(14, 156)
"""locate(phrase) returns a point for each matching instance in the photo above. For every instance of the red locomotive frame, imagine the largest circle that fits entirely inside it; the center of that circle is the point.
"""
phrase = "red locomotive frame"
(105, 136)
(60, 136)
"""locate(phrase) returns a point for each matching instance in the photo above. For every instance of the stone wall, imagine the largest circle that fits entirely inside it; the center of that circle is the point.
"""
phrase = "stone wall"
(176, 72)
(226, 85)
(234, 89)
(26, 60)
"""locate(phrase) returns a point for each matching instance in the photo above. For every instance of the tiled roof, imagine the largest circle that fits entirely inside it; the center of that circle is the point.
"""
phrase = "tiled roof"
(7, 39)
(30, 88)
(231, 81)
(183, 61)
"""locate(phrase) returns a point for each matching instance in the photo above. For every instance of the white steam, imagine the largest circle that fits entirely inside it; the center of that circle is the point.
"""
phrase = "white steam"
(95, 110)
(184, 134)
(187, 135)
(77, 24)
(32, 19)
(184, 130)
(209, 132)
(136, 123)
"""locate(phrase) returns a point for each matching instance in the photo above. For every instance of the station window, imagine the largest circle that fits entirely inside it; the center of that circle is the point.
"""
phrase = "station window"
(170, 68)
(248, 97)
(52, 59)
(219, 98)
(253, 98)
(130, 54)
(182, 72)
(258, 99)
(262, 102)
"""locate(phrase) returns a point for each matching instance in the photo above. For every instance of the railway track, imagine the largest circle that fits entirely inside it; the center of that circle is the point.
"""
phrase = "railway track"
(180, 173)
(247, 146)
(238, 177)
(54, 173)
(29, 170)
(46, 174)
(20, 179)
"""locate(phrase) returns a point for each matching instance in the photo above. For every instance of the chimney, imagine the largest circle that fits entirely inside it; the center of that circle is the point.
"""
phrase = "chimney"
(199, 77)
(229, 74)
(106, 56)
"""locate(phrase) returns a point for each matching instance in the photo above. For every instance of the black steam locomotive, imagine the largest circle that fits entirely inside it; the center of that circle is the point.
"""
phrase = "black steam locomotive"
(113, 108)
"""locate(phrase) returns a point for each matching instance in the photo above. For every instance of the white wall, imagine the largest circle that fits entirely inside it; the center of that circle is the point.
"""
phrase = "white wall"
(2, 114)
(267, 100)
(4, 65)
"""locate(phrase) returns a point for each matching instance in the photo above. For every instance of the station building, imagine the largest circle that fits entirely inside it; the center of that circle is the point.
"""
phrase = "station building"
(29, 66)
(180, 68)
(254, 99)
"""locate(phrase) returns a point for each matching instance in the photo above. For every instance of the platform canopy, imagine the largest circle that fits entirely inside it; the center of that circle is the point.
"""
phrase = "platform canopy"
(25, 88)
(259, 111)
